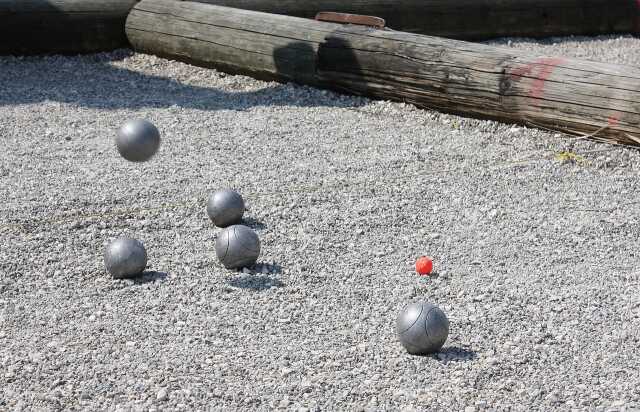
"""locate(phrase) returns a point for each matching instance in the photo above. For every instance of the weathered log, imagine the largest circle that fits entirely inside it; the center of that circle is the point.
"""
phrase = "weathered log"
(62, 26)
(472, 19)
(477, 80)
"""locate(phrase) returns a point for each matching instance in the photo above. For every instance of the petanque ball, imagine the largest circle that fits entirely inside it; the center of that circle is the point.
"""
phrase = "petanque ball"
(238, 246)
(225, 208)
(424, 265)
(422, 328)
(138, 140)
(125, 257)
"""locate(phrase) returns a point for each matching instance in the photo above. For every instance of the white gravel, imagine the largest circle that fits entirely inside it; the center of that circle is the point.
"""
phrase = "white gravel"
(610, 49)
(534, 237)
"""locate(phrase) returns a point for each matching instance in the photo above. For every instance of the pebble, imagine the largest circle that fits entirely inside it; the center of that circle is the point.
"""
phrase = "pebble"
(366, 185)
(162, 395)
(492, 361)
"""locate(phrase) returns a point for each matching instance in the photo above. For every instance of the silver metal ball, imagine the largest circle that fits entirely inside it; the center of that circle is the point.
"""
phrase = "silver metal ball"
(225, 208)
(125, 257)
(422, 328)
(138, 140)
(238, 246)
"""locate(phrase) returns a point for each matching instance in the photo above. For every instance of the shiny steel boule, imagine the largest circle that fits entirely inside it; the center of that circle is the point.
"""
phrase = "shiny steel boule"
(225, 208)
(238, 246)
(422, 328)
(138, 140)
(125, 257)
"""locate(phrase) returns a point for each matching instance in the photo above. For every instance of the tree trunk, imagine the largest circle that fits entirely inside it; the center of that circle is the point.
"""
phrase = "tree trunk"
(62, 26)
(472, 19)
(569, 95)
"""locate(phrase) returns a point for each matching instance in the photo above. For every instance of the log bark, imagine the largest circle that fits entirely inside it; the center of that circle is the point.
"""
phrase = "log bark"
(472, 19)
(569, 95)
(62, 26)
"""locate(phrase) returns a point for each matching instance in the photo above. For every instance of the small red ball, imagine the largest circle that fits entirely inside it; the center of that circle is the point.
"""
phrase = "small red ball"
(424, 265)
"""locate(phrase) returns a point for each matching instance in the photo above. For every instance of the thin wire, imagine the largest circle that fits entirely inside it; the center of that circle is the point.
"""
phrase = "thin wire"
(295, 190)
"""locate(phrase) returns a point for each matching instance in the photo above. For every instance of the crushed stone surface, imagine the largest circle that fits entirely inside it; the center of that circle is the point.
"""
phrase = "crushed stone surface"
(534, 238)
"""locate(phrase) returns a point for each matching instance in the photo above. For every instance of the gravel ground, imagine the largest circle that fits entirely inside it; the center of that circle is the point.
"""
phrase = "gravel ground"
(534, 237)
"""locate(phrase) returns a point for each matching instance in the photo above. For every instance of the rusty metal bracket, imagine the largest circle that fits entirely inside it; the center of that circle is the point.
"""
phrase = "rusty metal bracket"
(345, 18)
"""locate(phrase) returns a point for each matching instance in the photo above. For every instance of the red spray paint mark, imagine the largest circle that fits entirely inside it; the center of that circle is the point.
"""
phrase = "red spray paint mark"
(613, 119)
(546, 68)
(541, 70)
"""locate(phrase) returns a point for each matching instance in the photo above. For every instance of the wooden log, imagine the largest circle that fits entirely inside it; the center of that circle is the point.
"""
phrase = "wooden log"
(62, 26)
(569, 95)
(472, 19)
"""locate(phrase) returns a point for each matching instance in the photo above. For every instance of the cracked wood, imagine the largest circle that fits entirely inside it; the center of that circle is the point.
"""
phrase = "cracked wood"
(569, 95)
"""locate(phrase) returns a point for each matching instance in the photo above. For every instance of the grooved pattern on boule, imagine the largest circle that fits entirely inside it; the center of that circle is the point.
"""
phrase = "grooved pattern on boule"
(422, 328)
(247, 242)
(408, 317)
(237, 246)
(125, 257)
(222, 244)
(437, 326)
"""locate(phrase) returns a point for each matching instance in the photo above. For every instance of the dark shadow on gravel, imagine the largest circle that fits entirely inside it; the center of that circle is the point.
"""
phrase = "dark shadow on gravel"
(271, 268)
(149, 276)
(253, 224)
(92, 81)
(454, 354)
(255, 282)
(432, 275)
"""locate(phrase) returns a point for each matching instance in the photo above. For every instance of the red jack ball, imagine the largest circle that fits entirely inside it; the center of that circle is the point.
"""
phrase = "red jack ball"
(424, 265)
